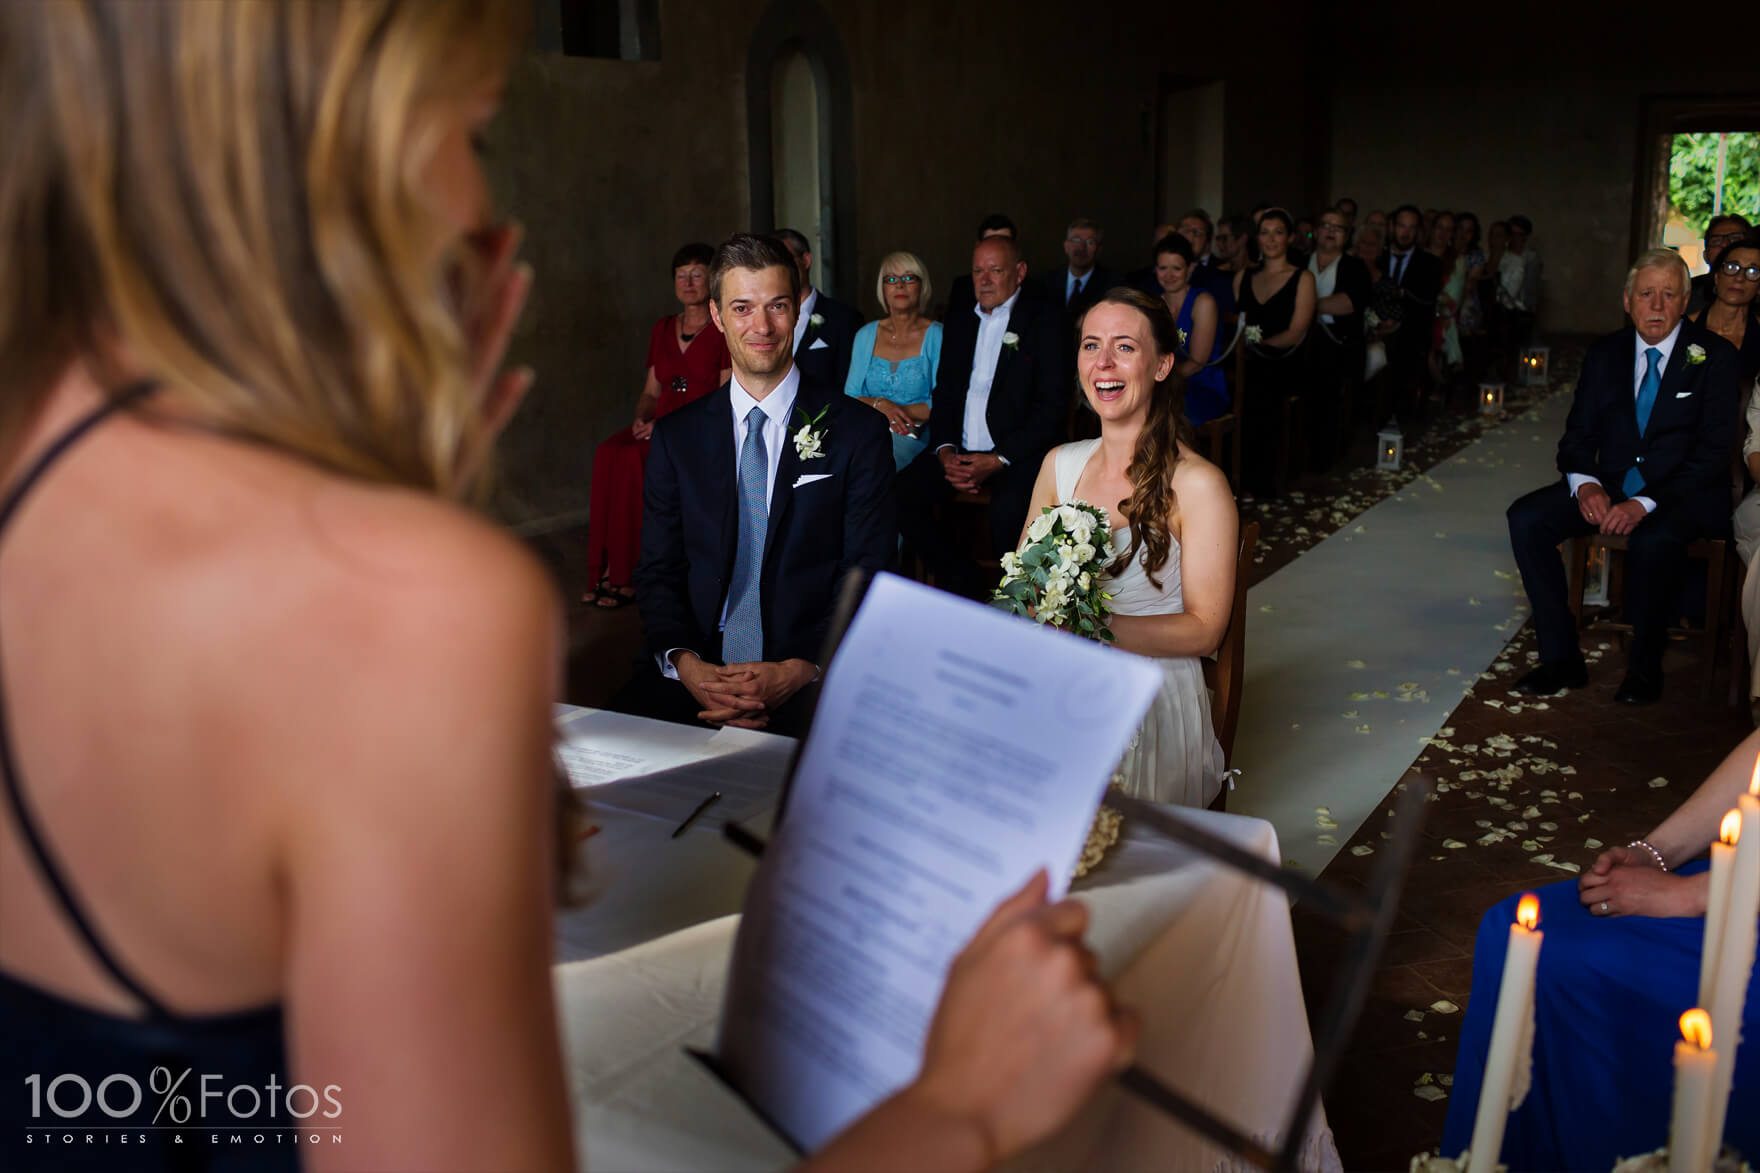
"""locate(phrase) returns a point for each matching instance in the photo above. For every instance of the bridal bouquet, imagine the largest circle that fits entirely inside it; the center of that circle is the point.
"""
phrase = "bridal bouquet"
(1054, 577)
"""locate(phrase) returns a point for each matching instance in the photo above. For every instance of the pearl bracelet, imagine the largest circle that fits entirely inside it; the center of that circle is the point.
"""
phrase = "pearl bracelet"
(1654, 854)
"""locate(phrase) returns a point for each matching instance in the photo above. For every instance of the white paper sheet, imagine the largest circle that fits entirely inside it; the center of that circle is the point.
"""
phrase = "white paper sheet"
(956, 750)
(597, 746)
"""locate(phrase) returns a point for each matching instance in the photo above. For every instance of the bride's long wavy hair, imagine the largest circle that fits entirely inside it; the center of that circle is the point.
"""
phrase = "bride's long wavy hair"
(1150, 504)
(230, 193)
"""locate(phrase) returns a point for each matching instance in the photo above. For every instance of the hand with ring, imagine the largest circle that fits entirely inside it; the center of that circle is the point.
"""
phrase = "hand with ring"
(1625, 881)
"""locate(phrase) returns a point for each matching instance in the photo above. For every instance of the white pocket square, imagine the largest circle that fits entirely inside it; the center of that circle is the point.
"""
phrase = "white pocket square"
(810, 477)
(819, 344)
(1683, 394)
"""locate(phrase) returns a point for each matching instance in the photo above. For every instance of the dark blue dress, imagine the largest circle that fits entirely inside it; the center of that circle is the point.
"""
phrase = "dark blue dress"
(1206, 391)
(1608, 998)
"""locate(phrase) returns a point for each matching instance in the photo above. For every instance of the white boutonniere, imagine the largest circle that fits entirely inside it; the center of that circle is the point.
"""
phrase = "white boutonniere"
(816, 320)
(1011, 341)
(1695, 354)
(809, 439)
(1182, 335)
(1371, 319)
(1254, 334)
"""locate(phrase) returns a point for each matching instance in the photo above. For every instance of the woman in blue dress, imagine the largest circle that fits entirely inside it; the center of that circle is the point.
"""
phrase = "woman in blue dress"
(1618, 965)
(892, 365)
(1195, 314)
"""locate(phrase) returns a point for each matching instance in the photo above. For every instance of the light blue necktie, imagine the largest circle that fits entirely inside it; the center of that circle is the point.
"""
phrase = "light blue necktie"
(1647, 392)
(742, 640)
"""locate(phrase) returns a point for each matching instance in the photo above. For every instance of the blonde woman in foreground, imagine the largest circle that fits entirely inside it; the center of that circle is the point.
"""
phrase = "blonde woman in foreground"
(275, 728)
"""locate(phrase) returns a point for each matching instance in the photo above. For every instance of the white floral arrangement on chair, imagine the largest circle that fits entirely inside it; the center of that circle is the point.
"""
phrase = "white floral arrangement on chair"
(1055, 579)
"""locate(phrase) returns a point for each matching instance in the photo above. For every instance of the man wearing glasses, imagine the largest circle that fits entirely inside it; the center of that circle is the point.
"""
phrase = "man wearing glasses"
(1085, 279)
(1722, 232)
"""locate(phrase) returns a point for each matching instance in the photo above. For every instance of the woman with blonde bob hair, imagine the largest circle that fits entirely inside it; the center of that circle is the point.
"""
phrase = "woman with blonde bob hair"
(908, 347)
(302, 839)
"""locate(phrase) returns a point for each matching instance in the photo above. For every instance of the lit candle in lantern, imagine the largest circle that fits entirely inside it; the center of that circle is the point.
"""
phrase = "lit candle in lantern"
(1511, 1036)
(1735, 952)
(1723, 857)
(1690, 1148)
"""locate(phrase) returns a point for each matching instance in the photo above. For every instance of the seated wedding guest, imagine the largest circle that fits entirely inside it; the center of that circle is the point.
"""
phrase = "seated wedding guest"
(1733, 310)
(1198, 230)
(1621, 962)
(1386, 302)
(959, 293)
(825, 328)
(1419, 276)
(1342, 288)
(1175, 525)
(687, 359)
(221, 894)
(1518, 293)
(1347, 207)
(1302, 241)
(892, 368)
(1445, 338)
(1228, 256)
(1084, 279)
(1645, 454)
(1144, 278)
(1379, 220)
(744, 543)
(1197, 331)
(1000, 403)
(1277, 300)
(1720, 233)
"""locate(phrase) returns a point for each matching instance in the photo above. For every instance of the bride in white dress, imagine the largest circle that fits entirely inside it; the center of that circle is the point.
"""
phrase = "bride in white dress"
(1173, 581)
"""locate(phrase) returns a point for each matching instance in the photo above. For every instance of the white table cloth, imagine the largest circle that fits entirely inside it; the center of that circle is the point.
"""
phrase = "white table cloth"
(1204, 953)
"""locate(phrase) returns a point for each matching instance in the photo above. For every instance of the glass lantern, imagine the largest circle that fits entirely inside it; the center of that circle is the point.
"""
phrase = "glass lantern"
(1490, 398)
(1534, 364)
(1390, 446)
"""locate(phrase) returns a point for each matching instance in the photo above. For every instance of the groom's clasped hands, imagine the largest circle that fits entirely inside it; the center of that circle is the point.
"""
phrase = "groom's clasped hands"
(742, 695)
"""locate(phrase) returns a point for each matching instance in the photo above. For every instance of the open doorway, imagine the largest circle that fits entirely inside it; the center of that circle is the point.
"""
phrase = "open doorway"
(1710, 173)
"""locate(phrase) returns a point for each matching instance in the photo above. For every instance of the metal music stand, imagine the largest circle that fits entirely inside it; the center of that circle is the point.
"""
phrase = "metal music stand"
(1366, 917)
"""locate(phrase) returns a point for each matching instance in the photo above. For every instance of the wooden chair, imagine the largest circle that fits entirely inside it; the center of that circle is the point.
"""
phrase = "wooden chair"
(1224, 672)
(1719, 558)
(971, 514)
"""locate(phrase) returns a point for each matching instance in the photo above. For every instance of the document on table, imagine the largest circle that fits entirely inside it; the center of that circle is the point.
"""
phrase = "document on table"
(665, 770)
(956, 750)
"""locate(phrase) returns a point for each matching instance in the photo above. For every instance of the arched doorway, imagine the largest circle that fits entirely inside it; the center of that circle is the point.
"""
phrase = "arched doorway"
(798, 116)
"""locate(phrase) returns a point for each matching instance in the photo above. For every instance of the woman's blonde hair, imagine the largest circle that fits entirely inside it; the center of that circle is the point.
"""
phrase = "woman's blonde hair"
(902, 263)
(228, 193)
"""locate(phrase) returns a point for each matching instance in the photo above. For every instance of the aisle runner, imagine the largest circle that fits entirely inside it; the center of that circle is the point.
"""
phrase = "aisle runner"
(1360, 648)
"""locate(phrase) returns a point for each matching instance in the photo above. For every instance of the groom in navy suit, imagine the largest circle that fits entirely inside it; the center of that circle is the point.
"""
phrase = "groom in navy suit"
(758, 498)
(1646, 454)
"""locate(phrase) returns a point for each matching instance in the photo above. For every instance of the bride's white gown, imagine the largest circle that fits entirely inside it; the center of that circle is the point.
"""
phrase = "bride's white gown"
(1176, 757)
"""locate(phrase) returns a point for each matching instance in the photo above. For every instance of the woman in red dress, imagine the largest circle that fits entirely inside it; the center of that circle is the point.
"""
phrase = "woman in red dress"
(687, 359)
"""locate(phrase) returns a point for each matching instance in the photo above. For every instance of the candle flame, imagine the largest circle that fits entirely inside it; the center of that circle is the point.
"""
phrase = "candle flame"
(1731, 829)
(1696, 1028)
(1528, 910)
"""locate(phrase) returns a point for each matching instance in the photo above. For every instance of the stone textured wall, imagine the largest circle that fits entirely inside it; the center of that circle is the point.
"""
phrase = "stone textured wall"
(1044, 109)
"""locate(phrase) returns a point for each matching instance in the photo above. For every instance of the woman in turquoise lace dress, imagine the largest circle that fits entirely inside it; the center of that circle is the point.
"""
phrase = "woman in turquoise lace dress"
(892, 365)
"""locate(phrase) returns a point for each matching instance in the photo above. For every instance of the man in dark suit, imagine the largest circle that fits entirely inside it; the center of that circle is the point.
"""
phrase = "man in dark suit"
(1419, 277)
(960, 297)
(1645, 454)
(825, 329)
(758, 498)
(1000, 402)
(1085, 280)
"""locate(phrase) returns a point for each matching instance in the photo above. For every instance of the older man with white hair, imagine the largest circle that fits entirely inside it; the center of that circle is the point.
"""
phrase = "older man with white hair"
(1645, 454)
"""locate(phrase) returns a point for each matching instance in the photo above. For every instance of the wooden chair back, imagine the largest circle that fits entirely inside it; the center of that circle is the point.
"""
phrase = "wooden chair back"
(1225, 671)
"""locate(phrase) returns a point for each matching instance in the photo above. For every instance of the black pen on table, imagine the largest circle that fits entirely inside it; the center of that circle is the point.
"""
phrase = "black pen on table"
(692, 817)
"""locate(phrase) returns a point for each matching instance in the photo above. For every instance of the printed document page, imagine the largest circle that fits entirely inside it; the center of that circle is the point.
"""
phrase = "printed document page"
(956, 750)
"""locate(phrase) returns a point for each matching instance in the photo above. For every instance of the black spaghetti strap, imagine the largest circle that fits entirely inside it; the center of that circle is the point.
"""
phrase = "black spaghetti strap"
(8, 766)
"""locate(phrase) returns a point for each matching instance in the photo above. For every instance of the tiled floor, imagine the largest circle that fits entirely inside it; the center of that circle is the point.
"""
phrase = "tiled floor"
(1613, 753)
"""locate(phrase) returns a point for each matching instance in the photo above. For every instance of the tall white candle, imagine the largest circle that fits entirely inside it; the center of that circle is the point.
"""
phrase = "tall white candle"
(1515, 1003)
(1690, 1149)
(1735, 955)
(1723, 857)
